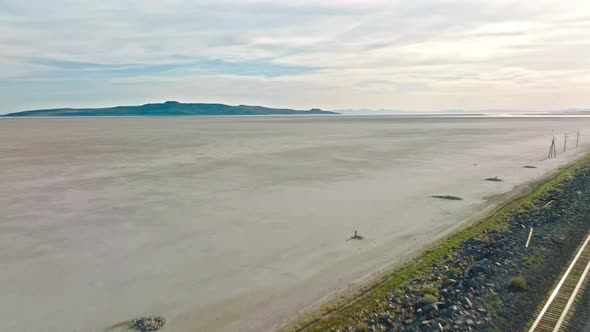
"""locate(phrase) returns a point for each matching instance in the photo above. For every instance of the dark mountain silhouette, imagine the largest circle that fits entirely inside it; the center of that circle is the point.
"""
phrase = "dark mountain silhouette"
(169, 108)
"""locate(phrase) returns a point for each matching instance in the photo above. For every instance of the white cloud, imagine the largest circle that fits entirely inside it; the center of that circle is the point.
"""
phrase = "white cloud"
(424, 54)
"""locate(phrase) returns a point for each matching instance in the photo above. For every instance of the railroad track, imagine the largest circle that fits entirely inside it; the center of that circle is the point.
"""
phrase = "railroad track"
(557, 311)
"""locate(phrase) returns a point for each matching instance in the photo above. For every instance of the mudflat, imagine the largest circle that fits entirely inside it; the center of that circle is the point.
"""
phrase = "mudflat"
(238, 223)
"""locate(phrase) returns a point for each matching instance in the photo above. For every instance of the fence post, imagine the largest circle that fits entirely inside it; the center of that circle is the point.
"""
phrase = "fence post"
(552, 150)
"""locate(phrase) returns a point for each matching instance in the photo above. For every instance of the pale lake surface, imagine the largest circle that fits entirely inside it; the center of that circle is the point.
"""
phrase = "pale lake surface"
(237, 223)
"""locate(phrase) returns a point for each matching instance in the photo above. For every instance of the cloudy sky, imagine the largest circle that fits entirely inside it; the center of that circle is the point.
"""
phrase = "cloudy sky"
(332, 54)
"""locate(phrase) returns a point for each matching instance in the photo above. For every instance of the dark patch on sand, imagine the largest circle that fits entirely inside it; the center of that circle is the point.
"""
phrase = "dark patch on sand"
(143, 324)
(449, 197)
(494, 179)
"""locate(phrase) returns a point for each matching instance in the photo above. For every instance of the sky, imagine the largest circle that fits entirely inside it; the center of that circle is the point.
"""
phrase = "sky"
(332, 54)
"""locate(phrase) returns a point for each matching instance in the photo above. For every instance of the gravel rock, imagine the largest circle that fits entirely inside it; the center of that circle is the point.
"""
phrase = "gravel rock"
(146, 324)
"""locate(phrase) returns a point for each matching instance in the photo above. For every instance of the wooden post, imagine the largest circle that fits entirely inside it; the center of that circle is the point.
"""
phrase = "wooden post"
(552, 151)
(528, 241)
(564, 142)
(578, 138)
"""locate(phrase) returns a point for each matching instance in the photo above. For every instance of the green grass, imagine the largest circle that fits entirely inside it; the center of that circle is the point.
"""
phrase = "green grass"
(493, 305)
(430, 299)
(361, 327)
(430, 289)
(525, 208)
(531, 260)
(518, 283)
(397, 280)
(454, 270)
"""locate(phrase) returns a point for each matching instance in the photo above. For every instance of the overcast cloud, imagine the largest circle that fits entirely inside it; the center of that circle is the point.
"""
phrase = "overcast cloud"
(416, 55)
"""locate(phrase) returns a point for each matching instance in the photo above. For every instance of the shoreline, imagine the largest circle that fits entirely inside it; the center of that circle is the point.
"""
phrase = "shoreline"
(333, 313)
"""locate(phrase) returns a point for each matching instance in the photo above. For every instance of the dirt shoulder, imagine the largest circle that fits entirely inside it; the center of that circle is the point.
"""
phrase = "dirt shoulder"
(482, 278)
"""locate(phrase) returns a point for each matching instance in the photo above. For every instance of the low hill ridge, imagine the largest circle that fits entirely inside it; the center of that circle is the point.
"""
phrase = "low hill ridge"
(169, 108)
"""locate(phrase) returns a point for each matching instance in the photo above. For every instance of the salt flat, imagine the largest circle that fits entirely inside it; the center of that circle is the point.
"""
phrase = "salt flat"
(237, 223)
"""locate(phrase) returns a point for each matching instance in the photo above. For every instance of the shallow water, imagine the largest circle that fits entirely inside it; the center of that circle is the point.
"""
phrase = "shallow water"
(241, 223)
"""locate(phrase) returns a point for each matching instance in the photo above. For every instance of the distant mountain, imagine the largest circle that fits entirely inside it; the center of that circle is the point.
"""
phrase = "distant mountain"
(372, 112)
(402, 112)
(169, 108)
(461, 112)
(577, 111)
